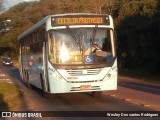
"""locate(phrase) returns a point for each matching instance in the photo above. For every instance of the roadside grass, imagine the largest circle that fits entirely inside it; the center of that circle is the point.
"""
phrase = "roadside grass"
(140, 74)
(9, 96)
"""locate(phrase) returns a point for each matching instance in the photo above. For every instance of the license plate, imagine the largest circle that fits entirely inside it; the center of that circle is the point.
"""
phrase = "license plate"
(85, 87)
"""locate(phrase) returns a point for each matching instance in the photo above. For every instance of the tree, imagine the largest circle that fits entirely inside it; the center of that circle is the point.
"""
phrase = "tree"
(138, 33)
(25, 14)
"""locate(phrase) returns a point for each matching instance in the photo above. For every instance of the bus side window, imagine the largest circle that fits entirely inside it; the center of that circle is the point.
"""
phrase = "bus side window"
(51, 48)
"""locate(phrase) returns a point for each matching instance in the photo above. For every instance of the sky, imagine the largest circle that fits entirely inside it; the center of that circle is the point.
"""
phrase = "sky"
(9, 3)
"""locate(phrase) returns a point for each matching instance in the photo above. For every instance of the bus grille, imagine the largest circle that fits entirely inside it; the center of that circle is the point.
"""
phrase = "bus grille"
(82, 72)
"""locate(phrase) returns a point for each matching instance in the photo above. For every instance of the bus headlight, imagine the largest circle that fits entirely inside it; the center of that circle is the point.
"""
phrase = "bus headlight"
(108, 76)
(112, 72)
(56, 75)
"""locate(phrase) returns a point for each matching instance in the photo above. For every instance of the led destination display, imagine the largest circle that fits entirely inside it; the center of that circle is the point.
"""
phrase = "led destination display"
(80, 20)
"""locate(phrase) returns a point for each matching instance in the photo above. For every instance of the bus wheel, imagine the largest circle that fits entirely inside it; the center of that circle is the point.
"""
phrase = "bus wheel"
(97, 94)
(42, 85)
(24, 76)
(27, 79)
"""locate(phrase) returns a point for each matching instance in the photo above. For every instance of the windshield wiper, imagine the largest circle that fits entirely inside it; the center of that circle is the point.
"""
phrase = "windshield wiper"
(72, 34)
(74, 37)
(94, 33)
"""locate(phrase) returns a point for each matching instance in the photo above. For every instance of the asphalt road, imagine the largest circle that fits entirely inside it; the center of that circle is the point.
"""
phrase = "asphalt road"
(131, 95)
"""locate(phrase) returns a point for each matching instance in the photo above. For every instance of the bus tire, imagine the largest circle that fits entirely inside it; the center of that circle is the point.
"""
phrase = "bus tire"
(97, 94)
(24, 76)
(42, 85)
(27, 80)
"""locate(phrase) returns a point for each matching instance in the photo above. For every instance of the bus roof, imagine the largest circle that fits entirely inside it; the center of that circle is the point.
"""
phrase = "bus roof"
(44, 20)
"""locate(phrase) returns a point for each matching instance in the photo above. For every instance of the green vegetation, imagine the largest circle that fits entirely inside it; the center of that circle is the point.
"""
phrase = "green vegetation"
(137, 23)
(9, 96)
(138, 29)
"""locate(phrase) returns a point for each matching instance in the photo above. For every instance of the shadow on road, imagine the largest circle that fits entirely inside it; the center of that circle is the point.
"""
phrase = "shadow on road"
(141, 87)
(3, 104)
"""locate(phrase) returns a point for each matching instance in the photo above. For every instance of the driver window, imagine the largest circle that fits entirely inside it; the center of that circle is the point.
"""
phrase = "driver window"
(51, 48)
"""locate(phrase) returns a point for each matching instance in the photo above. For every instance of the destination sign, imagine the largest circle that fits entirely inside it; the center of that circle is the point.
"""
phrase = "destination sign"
(79, 20)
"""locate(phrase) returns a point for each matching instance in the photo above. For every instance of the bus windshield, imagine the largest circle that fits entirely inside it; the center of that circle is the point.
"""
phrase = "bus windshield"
(81, 46)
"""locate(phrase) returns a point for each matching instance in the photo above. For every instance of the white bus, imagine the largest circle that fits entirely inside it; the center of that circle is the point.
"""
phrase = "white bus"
(56, 54)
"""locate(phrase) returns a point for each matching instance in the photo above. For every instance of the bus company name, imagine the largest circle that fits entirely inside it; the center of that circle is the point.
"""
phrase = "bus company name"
(81, 20)
(72, 78)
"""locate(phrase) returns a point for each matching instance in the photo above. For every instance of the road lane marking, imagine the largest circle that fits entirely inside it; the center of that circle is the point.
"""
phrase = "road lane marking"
(112, 95)
(4, 79)
(145, 105)
(127, 99)
(135, 102)
(2, 75)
